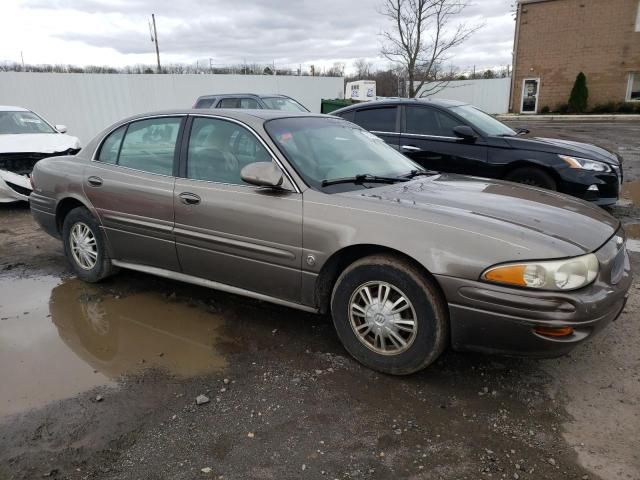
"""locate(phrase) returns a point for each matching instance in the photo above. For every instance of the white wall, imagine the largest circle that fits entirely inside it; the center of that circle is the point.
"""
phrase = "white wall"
(491, 95)
(88, 103)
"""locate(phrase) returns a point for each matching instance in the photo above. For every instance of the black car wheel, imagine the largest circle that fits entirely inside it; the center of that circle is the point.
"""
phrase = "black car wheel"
(389, 315)
(534, 177)
(84, 246)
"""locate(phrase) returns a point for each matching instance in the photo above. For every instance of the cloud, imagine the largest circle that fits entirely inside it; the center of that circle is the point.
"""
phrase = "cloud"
(257, 31)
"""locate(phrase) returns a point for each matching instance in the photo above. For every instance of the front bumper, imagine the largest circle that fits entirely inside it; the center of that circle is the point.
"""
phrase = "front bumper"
(14, 187)
(601, 188)
(495, 319)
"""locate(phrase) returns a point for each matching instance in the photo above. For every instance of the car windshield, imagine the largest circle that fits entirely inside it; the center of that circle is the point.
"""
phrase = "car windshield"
(483, 121)
(12, 123)
(283, 103)
(326, 149)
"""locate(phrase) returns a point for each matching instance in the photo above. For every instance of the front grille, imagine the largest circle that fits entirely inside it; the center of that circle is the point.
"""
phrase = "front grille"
(23, 163)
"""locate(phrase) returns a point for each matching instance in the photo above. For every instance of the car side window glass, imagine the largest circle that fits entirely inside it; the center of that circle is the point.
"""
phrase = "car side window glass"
(249, 103)
(349, 116)
(377, 119)
(429, 121)
(149, 145)
(111, 146)
(229, 103)
(204, 103)
(219, 150)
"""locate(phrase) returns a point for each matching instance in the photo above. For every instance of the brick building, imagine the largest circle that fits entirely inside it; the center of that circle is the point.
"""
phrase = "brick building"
(557, 39)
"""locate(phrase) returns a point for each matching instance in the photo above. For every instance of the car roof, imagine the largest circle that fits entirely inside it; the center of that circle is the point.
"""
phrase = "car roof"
(255, 95)
(438, 102)
(8, 108)
(242, 114)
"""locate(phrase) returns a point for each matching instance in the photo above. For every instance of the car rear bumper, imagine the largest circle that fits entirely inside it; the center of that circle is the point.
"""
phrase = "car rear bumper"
(43, 212)
(495, 319)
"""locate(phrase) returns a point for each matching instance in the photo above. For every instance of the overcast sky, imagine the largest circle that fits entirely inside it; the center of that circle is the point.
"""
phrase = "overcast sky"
(289, 32)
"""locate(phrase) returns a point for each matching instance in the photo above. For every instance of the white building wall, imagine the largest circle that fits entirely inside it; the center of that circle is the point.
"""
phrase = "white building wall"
(490, 95)
(88, 103)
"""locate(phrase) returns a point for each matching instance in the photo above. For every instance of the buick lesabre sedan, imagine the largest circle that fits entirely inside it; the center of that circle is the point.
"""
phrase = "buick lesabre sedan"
(315, 213)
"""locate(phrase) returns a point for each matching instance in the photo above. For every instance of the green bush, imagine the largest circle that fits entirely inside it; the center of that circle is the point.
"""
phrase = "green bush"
(562, 108)
(579, 97)
(545, 110)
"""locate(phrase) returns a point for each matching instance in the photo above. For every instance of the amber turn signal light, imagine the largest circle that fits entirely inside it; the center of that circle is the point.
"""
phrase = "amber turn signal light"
(554, 331)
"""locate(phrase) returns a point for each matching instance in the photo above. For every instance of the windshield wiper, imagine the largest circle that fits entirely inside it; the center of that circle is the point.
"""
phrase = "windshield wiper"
(363, 178)
(420, 173)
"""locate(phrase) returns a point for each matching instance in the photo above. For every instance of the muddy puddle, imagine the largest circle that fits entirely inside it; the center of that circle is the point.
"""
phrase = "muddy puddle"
(62, 337)
(631, 192)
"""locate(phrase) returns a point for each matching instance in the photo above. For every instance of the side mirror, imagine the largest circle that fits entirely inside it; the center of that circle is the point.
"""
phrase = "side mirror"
(61, 128)
(522, 131)
(465, 133)
(263, 174)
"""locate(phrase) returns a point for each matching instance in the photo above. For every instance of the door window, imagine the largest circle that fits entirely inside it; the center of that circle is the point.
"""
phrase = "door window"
(149, 145)
(429, 121)
(219, 150)
(634, 87)
(238, 103)
(111, 146)
(377, 119)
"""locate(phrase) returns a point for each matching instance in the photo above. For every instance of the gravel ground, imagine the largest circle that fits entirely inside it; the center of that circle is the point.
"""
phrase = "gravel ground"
(101, 381)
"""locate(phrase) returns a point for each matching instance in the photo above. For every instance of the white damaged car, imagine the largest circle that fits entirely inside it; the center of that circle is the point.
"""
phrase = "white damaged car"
(26, 138)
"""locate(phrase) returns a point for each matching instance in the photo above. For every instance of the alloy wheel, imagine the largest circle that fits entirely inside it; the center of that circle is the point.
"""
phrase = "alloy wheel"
(84, 247)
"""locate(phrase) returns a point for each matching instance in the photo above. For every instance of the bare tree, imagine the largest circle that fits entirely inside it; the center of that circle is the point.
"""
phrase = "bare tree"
(363, 68)
(422, 38)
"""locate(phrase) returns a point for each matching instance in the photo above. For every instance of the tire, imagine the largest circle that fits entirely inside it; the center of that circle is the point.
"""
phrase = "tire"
(90, 268)
(430, 331)
(532, 176)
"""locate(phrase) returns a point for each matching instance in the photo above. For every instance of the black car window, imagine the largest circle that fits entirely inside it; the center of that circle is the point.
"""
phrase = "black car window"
(219, 150)
(204, 103)
(429, 121)
(149, 145)
(377, 119)
(349, 116)
(111, 146)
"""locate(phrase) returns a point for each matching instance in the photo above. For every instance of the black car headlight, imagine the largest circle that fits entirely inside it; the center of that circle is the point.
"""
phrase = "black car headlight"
(560, 275)
(584, 164)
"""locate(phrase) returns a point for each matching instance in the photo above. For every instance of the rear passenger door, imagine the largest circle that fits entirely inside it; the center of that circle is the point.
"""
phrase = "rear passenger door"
(130, 183)
(229, 231)
(383, 121)
(428, 139)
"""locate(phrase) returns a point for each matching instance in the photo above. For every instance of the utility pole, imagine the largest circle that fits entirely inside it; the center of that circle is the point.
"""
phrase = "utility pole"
(154, 39)
(22, 57)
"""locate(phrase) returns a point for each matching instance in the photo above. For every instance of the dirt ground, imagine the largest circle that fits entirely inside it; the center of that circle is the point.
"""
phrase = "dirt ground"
(101, 381)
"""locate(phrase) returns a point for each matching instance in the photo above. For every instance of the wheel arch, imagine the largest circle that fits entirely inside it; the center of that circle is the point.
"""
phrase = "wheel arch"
(64, 206)
(525, 163)
(344, 257)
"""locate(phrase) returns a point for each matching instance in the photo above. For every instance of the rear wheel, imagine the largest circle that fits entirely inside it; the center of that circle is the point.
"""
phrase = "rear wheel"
(389, 316)
(532, 176)
(84, 246)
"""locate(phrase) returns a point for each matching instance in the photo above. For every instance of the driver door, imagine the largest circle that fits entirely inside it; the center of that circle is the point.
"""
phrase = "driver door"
(227, 230)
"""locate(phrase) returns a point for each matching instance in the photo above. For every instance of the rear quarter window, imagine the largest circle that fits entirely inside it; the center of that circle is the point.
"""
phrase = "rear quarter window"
(204, 103)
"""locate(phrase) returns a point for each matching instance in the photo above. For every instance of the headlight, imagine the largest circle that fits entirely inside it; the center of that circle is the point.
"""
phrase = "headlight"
(584, 164)
(569, 274)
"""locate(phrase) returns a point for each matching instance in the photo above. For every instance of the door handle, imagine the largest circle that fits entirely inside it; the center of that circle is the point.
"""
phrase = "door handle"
(410, 148)
(189, 198)
(94, 181)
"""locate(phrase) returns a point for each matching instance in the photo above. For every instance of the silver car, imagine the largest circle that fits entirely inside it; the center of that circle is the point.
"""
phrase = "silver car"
(315, 213)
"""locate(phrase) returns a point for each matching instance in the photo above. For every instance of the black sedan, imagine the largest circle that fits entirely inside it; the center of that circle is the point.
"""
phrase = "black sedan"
(449, 136)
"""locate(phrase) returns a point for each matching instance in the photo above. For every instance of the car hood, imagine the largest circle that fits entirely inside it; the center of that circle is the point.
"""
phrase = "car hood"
(564, 147)
(37, 143)
(523, 212)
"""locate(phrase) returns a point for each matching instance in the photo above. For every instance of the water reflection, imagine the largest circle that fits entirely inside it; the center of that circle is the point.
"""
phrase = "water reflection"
(61, 338)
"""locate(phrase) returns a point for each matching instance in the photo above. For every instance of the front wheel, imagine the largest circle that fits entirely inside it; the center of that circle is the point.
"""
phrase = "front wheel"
(84, 246)
(389, 315)
(532, 176)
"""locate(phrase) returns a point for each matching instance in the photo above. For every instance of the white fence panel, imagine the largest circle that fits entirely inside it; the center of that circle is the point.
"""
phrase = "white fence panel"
(88, 103)
(491, 95)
